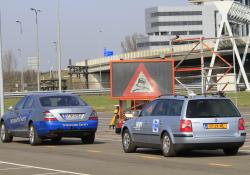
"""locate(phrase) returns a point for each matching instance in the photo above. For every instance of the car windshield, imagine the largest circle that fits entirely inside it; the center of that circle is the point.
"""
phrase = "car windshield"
(59, 101)
(211, 108)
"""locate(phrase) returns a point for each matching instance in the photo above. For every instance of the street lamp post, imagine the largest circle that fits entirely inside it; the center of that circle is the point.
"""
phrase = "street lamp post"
(1, 73)
(37, 49)
(22, 77)
(55, 45)
(21, 26)
(20, 56)
(58, 48)
(100, 68)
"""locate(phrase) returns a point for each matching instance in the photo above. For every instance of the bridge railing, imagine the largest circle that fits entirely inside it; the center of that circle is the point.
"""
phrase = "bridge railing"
(155, 53)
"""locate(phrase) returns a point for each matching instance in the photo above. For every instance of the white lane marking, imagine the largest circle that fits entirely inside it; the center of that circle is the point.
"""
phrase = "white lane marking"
(219, 165)
(108, 139)
(42, 168)
(150, 157)
(104, 118)
(4, 169)
(48, 173)
(243, 150)
(108, 136)
(246, 146)
(93, 151)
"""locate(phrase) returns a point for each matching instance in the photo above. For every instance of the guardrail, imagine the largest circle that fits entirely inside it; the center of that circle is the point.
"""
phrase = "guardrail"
(103, 91)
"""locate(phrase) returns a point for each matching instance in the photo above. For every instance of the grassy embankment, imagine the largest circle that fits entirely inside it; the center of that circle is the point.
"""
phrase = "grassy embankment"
(99, 102)
(105, 103)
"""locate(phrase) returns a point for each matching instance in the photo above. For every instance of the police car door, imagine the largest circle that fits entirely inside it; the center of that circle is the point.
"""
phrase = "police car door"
(14, 115)
(24, 116)
(140, 131)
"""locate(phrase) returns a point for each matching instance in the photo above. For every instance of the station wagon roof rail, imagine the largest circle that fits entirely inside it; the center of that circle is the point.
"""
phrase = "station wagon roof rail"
(171, 95)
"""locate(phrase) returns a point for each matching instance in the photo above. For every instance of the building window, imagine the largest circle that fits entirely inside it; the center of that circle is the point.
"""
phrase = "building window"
(180, 13)
(176, 23)
(164, 33)
(197, 32)
(179, 33)
(156, 43)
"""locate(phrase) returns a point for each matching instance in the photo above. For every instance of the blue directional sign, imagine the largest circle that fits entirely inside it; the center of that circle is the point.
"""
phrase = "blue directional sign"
(108, 53)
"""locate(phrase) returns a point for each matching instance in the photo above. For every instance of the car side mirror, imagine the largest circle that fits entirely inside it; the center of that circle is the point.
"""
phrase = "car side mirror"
(136, 113)
(11, 108)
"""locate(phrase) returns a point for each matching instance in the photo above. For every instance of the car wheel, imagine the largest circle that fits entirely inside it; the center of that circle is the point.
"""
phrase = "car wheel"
(230, 151)
(167, 146)
(5, 136)
(33, 137)
(90, 139)
(127, 143)
(56, 139)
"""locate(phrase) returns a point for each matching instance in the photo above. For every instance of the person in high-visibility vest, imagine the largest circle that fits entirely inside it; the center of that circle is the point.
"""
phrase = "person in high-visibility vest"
(115, 117)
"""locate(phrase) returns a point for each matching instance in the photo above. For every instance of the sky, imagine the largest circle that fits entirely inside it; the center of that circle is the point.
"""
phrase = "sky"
(81, 21)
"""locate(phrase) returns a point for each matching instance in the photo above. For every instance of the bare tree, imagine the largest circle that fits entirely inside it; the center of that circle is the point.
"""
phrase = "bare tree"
(9, 62)
(10, 75)
(130, 43)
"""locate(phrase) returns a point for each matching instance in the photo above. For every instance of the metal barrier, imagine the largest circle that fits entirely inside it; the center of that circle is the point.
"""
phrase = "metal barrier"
(78, 91)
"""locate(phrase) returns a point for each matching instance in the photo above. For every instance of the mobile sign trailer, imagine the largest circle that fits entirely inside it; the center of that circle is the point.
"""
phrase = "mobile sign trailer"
(140, 81)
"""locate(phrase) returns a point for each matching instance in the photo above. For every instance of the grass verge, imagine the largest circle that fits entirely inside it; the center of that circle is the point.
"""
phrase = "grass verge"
(98, 102)
(106, 103)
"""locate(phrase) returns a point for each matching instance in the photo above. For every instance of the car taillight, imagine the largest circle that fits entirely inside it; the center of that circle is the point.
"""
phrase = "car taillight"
(186, 126)
(93, 116)
(241, 124)
(48, 116)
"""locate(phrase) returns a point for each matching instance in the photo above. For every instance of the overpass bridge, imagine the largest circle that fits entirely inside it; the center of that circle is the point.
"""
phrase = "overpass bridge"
(177, 51)
(234, 47)
(189, 52)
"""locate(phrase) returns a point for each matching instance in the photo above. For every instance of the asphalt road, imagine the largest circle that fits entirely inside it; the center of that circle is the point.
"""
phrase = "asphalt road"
(106, 157)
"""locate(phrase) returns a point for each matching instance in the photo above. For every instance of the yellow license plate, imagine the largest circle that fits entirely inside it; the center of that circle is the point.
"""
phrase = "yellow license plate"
(217, 126)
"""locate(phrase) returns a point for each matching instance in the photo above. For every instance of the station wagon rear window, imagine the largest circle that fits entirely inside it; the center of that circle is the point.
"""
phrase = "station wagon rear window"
(211, 108)
(59, 101)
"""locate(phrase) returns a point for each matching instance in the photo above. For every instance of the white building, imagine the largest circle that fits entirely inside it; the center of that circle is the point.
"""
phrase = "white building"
(199, 19)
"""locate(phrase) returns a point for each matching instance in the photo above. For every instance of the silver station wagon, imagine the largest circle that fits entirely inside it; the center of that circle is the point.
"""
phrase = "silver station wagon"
(179, 123)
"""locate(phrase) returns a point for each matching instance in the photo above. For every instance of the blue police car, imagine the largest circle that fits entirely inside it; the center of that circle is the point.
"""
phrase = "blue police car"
(50, 116)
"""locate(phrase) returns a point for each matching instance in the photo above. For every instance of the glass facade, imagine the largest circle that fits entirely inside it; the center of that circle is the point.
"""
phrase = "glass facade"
(197, 32)
(175, 23)
(176, 13)
(147, 44)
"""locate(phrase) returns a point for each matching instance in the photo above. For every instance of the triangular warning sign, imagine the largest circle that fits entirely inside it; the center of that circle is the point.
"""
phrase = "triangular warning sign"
(141, 84)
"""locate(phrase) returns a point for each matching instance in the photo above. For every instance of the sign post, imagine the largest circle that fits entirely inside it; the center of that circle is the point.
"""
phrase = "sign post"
(140, 81)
